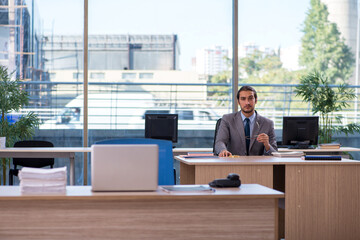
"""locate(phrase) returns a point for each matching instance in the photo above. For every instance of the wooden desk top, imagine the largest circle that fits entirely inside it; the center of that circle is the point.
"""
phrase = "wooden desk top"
(341, 149)
(175, 150)
(88, 149)
(258, 160)
(47, 149)
(84, 192)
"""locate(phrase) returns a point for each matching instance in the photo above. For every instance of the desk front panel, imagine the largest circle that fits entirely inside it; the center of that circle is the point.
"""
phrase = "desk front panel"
(216, 218)
(203, 174)
(322, 202)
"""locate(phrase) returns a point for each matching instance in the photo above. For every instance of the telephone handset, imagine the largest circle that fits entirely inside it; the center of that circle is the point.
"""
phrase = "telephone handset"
(232, 180)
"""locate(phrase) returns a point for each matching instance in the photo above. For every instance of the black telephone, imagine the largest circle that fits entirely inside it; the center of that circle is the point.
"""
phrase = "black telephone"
(232, 180)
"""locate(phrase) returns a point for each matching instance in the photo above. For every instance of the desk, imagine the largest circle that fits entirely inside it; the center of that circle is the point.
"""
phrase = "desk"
(184, 151)
(321, 150)
(47, 152)
(322, 198)
(246, 213)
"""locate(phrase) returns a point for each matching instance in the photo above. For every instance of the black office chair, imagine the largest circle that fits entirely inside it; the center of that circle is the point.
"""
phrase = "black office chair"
(30, 162)
(216, 130)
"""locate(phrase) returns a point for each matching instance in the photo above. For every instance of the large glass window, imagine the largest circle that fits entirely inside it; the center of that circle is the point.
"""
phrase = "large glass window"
(279, 41)
(270, 35)
(41, 41)
(151, 56)
(159, 56)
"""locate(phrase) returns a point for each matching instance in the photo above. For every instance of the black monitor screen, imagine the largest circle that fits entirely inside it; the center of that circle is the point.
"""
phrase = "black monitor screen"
(300, 130)
(161, 126)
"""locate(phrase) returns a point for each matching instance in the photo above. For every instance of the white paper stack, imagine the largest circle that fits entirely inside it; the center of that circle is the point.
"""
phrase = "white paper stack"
(39, 180)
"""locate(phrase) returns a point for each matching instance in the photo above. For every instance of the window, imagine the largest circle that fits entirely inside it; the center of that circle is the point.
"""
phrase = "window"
(52, 76)
(78, 75)
(146, 75)
(98, 75)
(148, 63)
(185, 114)
(204, 116)
(45, 45)
(129, 76)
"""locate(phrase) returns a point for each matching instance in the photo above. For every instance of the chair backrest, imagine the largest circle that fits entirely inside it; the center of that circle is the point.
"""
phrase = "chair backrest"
(216, 130)
(166, 164)
(34, 162)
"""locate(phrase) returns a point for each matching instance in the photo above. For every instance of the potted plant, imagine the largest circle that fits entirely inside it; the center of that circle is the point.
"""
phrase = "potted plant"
(326, 100)
(12, 98)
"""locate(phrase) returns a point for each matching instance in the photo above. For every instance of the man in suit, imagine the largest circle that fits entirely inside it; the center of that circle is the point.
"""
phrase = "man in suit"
(245, 132)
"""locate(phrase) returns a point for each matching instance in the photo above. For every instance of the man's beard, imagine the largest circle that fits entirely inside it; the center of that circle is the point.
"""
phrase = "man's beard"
(247, 111)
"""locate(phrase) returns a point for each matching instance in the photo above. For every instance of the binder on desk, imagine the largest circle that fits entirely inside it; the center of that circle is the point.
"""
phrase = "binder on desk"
(200, 154)
(188, 189)
(323, 157)
(186, 156)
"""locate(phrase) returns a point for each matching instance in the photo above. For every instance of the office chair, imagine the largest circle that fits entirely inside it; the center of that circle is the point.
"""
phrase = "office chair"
(30, 162)
(216, 130)
(166, 165)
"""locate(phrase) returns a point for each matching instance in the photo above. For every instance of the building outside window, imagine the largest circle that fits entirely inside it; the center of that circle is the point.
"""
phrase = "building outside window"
(97, 75)
(146, 75)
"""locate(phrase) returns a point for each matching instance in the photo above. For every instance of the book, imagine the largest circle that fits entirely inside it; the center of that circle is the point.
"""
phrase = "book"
(188, 189)
(329, 145)
(323, 157)
(288, 154)
(200, 154)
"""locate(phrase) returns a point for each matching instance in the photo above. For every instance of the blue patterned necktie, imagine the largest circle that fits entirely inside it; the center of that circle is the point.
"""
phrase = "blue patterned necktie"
(247, 134)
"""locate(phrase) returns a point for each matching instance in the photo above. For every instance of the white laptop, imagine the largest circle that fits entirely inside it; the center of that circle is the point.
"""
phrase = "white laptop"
(122, 167)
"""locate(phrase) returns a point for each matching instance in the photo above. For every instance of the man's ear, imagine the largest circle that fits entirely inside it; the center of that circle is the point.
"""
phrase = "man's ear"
(255, 100)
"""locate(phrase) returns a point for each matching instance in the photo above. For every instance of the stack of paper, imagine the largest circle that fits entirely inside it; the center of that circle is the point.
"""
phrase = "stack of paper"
(329, 145)
(287, 154)
(38, 180)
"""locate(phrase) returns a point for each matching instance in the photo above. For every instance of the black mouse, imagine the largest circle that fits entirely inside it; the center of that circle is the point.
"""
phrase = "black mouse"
(232, 180)
(233, 176)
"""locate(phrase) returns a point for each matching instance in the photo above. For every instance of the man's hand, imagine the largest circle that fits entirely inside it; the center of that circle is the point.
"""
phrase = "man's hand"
(225, 153)
(264, 138)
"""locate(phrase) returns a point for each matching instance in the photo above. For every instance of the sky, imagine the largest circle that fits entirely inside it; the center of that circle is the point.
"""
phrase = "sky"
(198, 23)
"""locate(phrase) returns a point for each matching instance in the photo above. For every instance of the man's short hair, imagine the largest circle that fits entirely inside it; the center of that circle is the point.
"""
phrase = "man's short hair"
(246, 88)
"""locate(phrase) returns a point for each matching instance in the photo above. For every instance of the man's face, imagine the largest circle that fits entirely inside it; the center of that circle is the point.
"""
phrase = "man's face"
(247, 102)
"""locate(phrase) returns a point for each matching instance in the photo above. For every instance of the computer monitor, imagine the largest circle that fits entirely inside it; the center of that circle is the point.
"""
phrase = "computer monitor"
(161, 126)
(300, 131)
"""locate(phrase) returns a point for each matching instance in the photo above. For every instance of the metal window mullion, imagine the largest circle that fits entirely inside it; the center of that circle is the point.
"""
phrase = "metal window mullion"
(235, 75)
(85, 71)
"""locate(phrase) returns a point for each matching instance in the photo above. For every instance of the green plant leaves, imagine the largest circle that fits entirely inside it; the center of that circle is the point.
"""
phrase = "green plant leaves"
(12, 98)
(325, 99)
